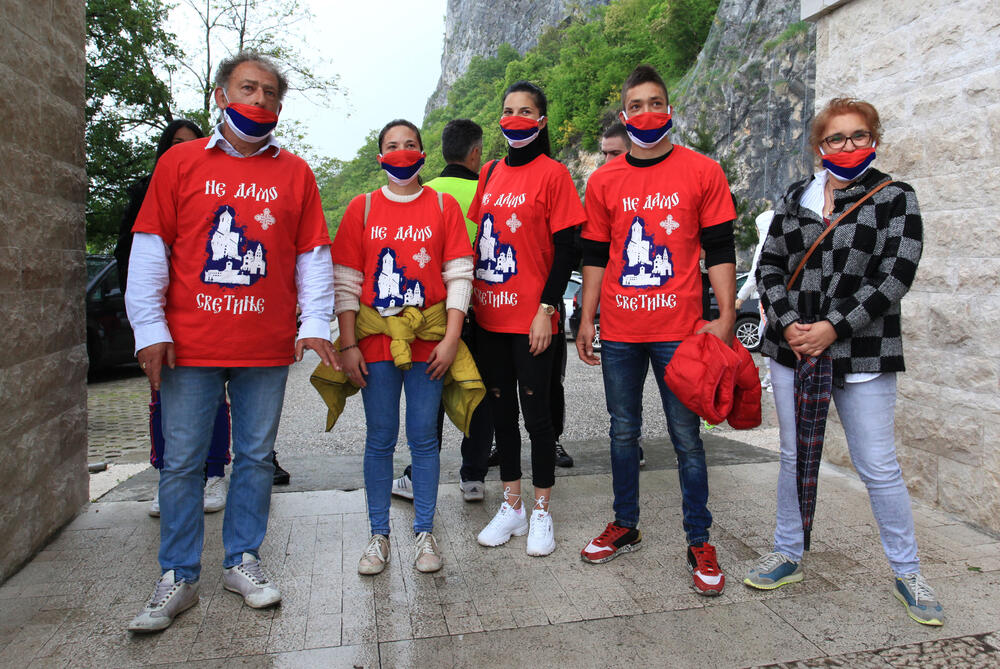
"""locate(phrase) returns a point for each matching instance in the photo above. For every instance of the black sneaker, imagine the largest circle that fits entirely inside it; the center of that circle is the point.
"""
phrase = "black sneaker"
(642, 458)
(563, 459)
(281, 477)
(494, 460)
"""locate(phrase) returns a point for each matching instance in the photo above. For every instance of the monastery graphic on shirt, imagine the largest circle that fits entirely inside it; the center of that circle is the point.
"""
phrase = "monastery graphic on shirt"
(495, 262)
(233, 260)
(646, 264)
(392, 288)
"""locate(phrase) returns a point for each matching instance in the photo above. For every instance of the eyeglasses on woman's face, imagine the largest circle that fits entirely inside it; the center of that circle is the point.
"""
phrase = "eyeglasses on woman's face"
(860, 139)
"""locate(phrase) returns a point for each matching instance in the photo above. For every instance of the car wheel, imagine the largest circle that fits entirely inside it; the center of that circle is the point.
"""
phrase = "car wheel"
(597, 337)
(748, 332)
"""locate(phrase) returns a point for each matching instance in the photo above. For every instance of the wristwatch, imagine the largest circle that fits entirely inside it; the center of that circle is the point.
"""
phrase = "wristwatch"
(547, 308)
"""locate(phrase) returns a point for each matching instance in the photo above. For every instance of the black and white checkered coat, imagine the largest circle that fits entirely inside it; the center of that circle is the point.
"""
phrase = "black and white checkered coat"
(861, 271)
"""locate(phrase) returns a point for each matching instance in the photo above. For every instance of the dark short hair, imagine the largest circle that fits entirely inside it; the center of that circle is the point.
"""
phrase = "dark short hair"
(616, 129)
(459, 137)
(643, 74)
(167, 138)
(541, 102)
(392, 124)
(226, 67)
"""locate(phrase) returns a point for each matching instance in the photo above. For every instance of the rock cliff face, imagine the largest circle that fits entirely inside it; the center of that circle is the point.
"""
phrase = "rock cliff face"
(751, 93)
(478, 27)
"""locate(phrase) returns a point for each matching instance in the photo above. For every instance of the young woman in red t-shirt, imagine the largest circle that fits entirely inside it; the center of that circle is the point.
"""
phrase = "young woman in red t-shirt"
(527, 208)
(401, 246)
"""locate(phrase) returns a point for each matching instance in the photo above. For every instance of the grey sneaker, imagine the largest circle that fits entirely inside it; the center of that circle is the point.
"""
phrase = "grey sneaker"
(251, 581)
(403, 487)
(472, 491)
(375, 557)
(773, 570)
(154, 506)
(919, 599)
(215, 494)
(169, 599)
(427, 557)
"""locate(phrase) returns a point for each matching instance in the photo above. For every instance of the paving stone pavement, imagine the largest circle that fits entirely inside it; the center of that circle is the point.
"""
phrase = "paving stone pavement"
(497, 607)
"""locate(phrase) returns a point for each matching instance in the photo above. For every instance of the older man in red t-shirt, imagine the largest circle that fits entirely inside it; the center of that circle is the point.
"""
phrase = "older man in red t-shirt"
(230, 238)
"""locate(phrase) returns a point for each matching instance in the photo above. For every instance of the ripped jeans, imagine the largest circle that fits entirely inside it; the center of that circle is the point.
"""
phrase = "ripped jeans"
(514, 376)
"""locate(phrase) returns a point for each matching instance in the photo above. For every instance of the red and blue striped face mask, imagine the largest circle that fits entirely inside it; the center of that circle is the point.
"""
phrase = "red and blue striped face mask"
(648, 129)
(848, 165)
(250, 123)
(402, 166)
(520, 130)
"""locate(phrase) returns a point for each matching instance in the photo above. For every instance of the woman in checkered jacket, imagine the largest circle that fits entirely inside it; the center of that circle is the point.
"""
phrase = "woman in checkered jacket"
(854, 282)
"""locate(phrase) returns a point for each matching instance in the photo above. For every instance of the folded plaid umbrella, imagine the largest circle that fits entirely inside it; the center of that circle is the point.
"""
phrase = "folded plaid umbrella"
(813, 388)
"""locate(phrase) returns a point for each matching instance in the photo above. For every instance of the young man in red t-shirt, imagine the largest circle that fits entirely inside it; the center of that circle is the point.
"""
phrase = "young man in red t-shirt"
(230, 238)
(649, 214)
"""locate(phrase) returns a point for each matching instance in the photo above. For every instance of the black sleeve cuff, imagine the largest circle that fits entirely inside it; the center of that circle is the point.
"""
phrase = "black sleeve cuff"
(719, 243)
(595, 254)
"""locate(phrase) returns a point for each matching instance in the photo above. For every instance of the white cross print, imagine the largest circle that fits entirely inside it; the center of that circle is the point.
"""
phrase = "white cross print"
(669, 224)
(422, 258)
(265, 218)
(513, 223)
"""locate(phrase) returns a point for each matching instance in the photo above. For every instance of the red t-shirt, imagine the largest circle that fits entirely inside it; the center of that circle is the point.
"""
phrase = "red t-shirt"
(234, 227)
(653, 218)
(518, 211)
(401, 252)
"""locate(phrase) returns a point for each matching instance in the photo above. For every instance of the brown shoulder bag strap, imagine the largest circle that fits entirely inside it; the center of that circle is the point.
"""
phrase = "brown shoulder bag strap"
(829, 229)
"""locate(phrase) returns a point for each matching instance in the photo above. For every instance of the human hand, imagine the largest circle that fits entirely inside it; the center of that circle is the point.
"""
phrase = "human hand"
(353, 364)
(585, 343)
(440, 359)
(722, 327)
(540, 333)
(815, 338)
(152, 358)
(323, 347)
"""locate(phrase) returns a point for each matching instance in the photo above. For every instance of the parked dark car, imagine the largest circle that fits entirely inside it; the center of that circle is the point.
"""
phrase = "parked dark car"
(109, 335)
(747, 318)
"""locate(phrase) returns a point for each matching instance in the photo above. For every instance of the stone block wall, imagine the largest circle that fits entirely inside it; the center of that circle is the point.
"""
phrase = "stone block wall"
(43, 360)
(932, 69)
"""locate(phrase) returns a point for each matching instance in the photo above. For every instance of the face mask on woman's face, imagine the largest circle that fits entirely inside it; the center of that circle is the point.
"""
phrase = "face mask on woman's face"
(402, 166)
(648, 129)
(248, 122)
(520, 130)
(848, 165)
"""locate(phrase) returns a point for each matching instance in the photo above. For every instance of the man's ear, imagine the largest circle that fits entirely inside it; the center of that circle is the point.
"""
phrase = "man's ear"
(220, 99)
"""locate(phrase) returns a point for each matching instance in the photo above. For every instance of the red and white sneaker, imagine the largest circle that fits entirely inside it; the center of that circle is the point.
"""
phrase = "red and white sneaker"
(708, 578)
(611, 543)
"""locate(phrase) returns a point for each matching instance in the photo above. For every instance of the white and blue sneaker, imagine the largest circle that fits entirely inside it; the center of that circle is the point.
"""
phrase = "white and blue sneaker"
(919, 599)
(773, 570)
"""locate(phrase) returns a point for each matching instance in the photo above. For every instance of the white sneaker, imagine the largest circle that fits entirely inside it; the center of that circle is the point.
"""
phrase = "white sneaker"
(251, 581)
(375, 557)
(541, 537)
(169, 599)
(472, 491)
(215, 494)
(154, 506)
(507, 523)
(403, 487)
(427, 556)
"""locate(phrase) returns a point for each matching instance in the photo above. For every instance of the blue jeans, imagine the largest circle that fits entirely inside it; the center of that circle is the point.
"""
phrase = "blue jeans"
(867, 411)
(218, 452)
(624, 366)
(190, 398)
(381, 398)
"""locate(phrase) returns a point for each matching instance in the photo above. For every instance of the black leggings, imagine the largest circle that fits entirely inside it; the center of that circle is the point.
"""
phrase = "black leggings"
(511, 373)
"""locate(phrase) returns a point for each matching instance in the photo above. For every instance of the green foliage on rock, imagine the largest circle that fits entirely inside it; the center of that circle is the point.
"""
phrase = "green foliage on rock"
(580, 66)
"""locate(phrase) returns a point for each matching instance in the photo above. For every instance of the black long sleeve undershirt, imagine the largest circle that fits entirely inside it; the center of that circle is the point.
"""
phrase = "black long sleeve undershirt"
(565, 258)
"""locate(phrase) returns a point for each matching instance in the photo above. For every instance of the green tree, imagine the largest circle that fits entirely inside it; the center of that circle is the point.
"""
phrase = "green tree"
(127, 103)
